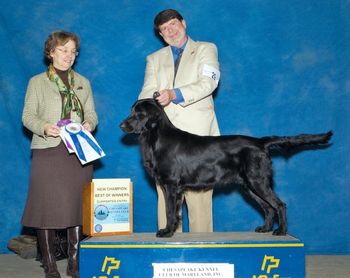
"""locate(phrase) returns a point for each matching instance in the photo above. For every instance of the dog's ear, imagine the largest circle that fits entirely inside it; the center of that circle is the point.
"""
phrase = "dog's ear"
(154, 116)
(150, 124)
(152, 111)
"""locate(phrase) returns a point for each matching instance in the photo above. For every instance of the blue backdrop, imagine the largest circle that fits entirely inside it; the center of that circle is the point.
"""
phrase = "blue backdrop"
(285, 70)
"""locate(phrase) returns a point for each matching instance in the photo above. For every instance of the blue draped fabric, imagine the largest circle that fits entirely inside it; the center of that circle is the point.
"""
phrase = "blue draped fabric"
(284, 71)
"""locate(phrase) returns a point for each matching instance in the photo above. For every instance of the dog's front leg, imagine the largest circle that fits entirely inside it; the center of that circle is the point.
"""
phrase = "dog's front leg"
(171, 205)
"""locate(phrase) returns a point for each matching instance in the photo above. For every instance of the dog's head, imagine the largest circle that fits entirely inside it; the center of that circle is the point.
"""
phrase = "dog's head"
(145, 115)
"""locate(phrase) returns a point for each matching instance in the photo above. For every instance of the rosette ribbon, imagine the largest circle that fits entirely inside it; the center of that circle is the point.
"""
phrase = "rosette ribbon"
(75, 130)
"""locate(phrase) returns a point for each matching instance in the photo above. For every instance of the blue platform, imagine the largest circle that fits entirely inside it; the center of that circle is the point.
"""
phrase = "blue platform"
(139, 255)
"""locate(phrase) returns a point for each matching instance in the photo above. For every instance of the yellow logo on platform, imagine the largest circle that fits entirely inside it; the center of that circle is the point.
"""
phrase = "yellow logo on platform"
(109, 264)
(268, 263)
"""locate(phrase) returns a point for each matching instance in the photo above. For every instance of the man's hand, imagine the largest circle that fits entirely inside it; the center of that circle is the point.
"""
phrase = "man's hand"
(165, 97)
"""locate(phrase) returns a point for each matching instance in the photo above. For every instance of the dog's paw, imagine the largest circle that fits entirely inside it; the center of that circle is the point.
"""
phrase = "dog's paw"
(263, 229)
(165, 233)
(280, 232)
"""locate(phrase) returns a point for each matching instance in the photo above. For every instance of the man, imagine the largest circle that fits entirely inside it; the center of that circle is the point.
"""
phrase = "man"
(185, 73)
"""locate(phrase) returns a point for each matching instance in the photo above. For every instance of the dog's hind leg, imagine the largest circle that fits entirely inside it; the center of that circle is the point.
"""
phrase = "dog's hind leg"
(258, 177)
(269, 212)
(172, 204)
(261, 185)
(282, 217)
(269, 196)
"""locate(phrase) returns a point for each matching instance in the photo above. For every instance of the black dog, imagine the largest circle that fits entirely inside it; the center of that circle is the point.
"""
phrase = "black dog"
(178, 160)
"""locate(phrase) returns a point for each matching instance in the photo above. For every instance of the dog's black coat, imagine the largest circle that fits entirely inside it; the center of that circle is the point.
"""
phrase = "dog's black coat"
(178, 160)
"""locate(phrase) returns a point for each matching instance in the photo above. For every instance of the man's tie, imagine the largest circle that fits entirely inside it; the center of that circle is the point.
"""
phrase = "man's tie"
(177, 61)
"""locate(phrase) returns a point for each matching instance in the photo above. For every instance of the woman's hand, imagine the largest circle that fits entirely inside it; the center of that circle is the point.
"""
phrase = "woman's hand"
(51, 130)
(87, 126)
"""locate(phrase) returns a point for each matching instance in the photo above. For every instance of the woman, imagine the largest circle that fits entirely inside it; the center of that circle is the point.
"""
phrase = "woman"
(57, 178)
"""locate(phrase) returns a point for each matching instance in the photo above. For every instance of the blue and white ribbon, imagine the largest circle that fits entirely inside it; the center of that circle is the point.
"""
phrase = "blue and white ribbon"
(75, 130)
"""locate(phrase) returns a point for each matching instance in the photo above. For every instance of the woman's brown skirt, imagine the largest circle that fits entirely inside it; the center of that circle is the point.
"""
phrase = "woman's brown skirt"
(55, 193)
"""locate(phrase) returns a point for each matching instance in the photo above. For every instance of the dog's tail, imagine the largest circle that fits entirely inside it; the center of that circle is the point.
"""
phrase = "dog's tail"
(289, 142)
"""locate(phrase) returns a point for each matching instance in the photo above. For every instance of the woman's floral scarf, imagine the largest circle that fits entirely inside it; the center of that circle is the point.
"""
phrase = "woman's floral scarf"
(70, 99)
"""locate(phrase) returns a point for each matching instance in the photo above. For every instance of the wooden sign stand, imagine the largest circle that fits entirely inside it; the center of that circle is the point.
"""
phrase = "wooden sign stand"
(108, 207)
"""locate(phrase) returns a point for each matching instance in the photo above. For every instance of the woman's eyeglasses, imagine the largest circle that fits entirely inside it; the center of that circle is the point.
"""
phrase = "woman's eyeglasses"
(65, 51)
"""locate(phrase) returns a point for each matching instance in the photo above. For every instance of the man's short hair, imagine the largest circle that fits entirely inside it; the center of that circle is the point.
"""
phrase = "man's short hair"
(165, 16)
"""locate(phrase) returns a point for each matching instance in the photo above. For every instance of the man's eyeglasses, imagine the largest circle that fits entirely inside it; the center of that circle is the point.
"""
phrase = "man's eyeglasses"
(65, 51)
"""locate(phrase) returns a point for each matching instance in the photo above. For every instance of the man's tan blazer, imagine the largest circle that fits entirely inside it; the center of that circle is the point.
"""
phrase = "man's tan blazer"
(196, 114)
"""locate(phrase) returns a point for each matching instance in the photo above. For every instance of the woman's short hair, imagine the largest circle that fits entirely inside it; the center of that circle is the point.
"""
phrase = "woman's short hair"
(59, 38)
(165, 16)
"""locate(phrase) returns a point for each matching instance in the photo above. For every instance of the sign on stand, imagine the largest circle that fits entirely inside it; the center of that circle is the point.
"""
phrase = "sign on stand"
(107, 207)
